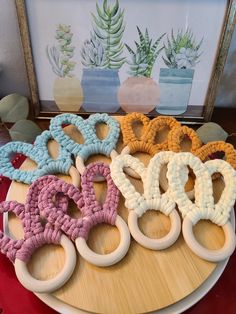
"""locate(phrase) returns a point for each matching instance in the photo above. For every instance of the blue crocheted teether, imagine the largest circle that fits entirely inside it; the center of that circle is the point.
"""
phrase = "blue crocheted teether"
(39, 154)
(92, 144)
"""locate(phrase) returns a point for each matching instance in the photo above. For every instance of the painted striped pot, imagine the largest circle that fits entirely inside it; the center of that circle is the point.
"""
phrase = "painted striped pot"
(100, 88)
(175, 88)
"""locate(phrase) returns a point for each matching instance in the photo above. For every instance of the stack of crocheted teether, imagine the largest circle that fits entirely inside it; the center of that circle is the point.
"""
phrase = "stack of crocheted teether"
(48, 196)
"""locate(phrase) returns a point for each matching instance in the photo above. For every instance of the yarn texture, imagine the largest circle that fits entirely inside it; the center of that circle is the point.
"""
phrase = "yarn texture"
(151, 197)
(146, 143)
(92, 144)
(203, 207)
(39, 154)
(92, 211)
(35, 233)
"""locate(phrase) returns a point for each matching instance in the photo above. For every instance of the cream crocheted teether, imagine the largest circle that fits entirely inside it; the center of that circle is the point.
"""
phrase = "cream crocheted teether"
(204, 207)
(152, 198)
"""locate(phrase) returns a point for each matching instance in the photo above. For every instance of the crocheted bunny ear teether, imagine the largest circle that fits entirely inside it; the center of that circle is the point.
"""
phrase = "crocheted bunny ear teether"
(98, 213)
(40, 155)
(204, 207)
(151, 198)
(93, 213)
(146, 143)
(177, 135)
(92, 144)
(211, 148)
(35, 236)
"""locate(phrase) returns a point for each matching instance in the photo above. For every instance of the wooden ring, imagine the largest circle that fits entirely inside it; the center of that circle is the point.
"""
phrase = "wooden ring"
(111, 258)
(155, 244)
(75, 176)
(47, 286)
(209, 255)
(80, 166)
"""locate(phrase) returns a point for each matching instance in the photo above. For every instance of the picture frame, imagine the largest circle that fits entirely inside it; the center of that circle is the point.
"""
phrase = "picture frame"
(177, 88)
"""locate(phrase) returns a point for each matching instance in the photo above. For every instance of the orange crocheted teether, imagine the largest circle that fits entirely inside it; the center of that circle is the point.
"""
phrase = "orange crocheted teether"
(176, 136)
(211, 148)
(146, 143)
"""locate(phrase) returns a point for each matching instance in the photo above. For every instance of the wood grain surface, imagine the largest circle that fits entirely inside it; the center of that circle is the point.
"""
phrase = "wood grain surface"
(144, 280)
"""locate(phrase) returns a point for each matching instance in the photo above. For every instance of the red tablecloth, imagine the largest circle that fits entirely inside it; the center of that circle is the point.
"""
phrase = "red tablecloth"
(15, 299)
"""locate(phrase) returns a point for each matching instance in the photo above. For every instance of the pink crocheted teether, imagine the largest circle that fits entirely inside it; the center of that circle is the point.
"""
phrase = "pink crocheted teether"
(35, 236)
(93, 213)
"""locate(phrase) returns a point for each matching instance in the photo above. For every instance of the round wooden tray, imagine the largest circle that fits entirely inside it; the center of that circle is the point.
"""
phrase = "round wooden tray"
(144, 280)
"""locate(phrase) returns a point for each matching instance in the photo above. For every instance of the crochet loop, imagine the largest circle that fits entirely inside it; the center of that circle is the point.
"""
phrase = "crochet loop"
(35, 234)
(146, 143)
(219, 146)
(39, 154)
(92, 144)
(151, 197)
(203, 207)
(176, 135)
(92, 211)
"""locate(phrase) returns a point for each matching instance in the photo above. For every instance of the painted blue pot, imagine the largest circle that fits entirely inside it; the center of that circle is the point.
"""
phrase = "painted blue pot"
(100, 87)
(175, 88)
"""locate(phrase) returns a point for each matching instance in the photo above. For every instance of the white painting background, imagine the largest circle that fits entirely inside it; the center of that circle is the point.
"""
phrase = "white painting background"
(204, 17)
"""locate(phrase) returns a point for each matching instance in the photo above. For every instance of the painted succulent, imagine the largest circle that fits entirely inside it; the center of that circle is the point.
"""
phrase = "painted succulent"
(60, 56)
(108, 27)
(145, 55)
(93, 53)
(182, 50)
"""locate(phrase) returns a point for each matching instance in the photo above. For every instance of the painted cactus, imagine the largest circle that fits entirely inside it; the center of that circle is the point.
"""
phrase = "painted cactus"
(60, 56)
(140, 92)
(108, 26)
(102, 57)
(144, 58)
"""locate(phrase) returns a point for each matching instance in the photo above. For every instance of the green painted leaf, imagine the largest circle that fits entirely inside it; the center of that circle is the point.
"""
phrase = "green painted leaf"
(115, 8)
(14, 107)
(100, 13)
(116, 18)
(129, 49)
(99, 34)
(117, 54)
(25, 131)
(99, 23)
(117, 59)
(116, 28)
(106, 8)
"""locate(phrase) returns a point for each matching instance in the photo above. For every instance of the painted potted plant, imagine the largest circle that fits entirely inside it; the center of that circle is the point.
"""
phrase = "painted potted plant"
(67, 89)
(181, 55)
(102, 58)
(140, 92)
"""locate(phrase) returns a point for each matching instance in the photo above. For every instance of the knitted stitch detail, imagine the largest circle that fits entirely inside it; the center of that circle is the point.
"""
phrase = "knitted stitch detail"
(152, 197)
(35, 234)
(203, 207)
(92, 211)
(146, 143)
(176, 135)
(39, 154)
(219, 146)
(92, 144)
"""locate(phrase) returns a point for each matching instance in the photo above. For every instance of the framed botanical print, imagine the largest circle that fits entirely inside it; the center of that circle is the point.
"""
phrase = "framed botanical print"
(159, 57)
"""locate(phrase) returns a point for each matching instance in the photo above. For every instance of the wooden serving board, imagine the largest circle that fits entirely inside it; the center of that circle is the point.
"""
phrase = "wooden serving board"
(144, 280)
